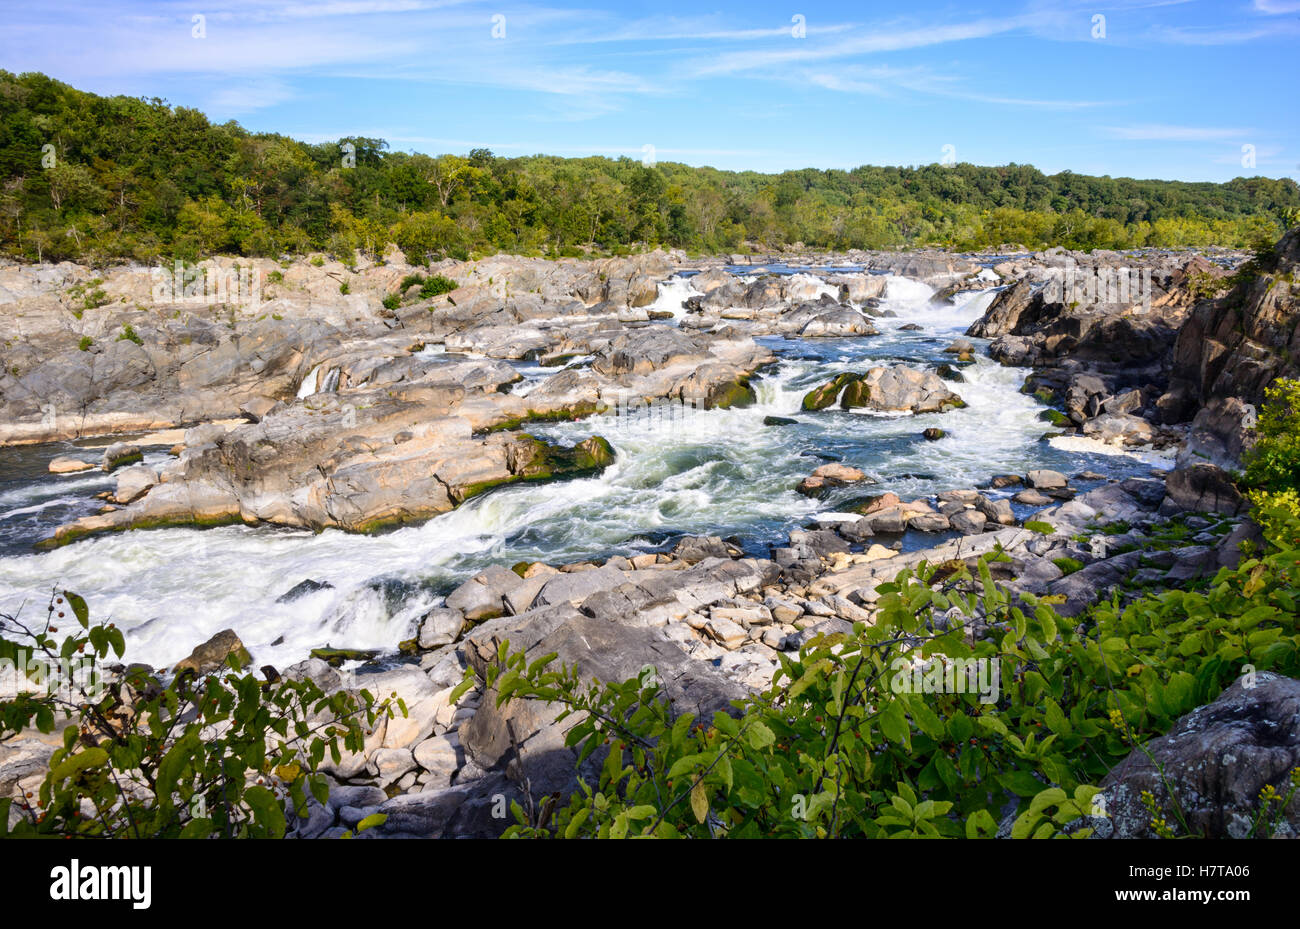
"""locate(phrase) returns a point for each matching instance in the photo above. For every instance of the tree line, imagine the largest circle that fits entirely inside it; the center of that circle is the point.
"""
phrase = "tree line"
(86, 177)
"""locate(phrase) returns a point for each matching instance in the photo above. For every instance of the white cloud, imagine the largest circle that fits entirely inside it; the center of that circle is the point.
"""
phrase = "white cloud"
(1275, 7)
(239, 98)
(875, 41)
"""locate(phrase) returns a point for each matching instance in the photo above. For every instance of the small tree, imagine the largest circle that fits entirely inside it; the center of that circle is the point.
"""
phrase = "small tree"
(222, 755)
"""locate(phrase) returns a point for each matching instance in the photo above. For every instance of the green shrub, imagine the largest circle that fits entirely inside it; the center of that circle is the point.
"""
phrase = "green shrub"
(1271, 477)
(128, 334)
(85, 343)
(345, 288)
(836, 748)
(392, 301)
(436, 285)
(221, 755)
(1068, 565)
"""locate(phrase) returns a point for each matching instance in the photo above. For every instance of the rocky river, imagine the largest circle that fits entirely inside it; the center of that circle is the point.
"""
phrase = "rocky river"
(699, 461)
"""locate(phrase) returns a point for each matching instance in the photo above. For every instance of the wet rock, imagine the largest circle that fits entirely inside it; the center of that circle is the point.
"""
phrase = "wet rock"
(481, 597)
(442, 625)
(827, 477)
(212, 655)
(65, 465)
(120, 454)
(933, 435)
(1045, 480)
(303, 589)
(968, 522)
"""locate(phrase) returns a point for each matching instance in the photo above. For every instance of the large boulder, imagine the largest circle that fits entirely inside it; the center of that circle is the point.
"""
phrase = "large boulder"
(213, 655)
(640, 351)
(896, 388)
(1237, 345)
(523, 739)
(1214, 762)
(1204, 488)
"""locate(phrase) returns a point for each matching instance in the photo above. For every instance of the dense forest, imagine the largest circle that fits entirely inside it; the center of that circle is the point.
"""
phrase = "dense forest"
(100, 178)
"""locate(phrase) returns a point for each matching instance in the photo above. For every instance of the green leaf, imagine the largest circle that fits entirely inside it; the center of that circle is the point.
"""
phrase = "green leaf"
(1020, 783)
(760, 736)
(699, 801)
(893, 724)
(266, 810)
(79, 608)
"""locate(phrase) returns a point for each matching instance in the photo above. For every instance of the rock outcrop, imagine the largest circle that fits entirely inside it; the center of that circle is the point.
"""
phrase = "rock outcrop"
(1207, 772)
(1231, 349)
(896, 388)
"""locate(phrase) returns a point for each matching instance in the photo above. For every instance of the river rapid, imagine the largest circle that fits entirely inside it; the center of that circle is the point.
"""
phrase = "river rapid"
(678, 472)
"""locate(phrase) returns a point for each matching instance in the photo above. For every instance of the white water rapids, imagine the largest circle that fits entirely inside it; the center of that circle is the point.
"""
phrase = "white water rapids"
(715, 472)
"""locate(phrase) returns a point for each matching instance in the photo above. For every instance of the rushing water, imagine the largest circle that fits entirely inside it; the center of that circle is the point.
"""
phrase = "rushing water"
(720, 472)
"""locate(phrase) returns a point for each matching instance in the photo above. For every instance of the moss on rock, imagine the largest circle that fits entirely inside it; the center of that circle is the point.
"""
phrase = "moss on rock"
(819, 398)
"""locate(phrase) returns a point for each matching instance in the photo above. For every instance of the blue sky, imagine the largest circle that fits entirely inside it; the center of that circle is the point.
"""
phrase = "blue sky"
(1144, 88)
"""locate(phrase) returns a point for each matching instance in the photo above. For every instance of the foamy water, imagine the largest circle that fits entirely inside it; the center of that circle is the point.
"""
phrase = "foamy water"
(692, 472)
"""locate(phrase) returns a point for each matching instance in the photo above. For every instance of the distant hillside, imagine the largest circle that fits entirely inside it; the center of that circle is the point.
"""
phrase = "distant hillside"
(83, 176)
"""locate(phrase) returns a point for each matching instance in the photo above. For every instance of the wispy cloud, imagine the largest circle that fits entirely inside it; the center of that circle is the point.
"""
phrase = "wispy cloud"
(236, 99)
(884, 81)
(1155, 132)
(1178, 35)
(871, 41)
(702, 29)
(1274, 7)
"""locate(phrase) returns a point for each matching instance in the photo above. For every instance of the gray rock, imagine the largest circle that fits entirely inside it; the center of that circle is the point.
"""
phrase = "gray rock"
(577, 586)
(996, 511)
(1215, 761)
(969, 522)
(1204, 488)
(1043, 479)
(441, 626)
(303, 589)
(481, 597)
(120, 454)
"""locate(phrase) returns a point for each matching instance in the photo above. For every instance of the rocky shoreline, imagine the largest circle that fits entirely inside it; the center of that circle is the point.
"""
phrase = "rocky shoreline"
(402, 434)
